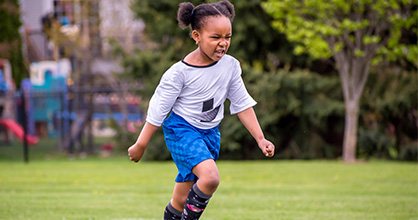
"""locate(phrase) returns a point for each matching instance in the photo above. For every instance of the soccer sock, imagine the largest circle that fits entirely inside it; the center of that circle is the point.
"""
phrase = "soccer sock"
(195, 204)
(171, 213)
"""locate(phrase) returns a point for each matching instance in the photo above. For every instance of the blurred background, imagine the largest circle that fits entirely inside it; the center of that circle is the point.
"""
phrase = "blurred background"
(333, 80)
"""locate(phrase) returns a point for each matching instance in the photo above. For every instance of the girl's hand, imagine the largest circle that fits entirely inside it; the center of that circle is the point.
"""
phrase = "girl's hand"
(135, 153)
(267, 147)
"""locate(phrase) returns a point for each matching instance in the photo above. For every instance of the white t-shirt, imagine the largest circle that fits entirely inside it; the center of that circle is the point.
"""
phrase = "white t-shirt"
(198, 93)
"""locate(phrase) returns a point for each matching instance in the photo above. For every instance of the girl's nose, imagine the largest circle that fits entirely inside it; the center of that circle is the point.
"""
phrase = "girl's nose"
(223, 43)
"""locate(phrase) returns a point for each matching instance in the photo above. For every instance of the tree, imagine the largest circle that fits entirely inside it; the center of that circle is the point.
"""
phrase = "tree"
(10, 40)
(358, 34)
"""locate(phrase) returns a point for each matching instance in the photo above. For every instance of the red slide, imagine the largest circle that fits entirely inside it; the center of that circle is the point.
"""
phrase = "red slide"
(18, 130)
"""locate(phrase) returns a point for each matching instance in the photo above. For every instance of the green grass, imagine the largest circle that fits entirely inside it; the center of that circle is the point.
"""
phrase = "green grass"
(55, 187)
(116, 188)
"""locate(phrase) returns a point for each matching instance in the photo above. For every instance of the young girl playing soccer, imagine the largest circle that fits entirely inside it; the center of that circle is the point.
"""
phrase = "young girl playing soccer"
(195, 89)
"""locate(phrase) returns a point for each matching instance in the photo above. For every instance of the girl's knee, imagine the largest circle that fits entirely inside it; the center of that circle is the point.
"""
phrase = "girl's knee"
(215, 180)
(208, 176)
(210, 181)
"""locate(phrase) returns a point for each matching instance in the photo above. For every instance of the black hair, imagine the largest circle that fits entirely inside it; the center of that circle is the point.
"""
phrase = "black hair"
(187, 14)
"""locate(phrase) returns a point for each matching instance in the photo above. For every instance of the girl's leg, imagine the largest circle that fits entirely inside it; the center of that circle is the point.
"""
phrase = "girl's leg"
(181, 190)
(174, 208)
(202, 191)
(208, 175)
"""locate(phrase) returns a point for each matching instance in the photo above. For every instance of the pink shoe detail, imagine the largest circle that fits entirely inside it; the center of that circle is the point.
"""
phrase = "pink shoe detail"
(194, 209)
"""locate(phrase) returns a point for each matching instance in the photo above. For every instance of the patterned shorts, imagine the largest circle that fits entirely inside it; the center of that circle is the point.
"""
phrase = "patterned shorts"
(189, 145)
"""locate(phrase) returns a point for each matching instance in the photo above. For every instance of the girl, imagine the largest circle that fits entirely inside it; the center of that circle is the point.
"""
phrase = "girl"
(195, 89)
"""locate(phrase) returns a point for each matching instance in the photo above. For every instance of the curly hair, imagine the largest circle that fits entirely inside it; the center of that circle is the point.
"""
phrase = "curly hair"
(187, 14)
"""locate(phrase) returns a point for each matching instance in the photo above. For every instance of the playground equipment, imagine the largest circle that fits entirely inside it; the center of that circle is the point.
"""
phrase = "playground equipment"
(8, 103)
(18, 131)
(50, 104)
(49, 94)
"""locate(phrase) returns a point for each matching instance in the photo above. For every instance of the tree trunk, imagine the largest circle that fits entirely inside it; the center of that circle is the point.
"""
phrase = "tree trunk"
(350, 131)
(353, 73)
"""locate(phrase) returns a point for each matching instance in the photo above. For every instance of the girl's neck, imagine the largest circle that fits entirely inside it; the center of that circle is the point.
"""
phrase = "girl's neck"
(198, 58)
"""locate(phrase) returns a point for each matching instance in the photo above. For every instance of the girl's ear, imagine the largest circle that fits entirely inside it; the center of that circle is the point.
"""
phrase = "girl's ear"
(196, 36)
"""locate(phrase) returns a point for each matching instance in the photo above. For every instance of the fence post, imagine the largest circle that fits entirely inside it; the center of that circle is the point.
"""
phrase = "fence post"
(25, 127)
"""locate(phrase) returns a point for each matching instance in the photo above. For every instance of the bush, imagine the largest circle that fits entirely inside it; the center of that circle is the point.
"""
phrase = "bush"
(409, 152)
(372, 143)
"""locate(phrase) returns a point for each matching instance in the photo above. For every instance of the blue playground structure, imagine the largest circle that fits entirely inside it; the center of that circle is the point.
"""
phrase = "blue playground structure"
(49, 105)
(50, 100)
(56, 113)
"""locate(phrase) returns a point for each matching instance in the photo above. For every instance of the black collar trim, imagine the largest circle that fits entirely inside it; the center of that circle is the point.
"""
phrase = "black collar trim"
(205, 66)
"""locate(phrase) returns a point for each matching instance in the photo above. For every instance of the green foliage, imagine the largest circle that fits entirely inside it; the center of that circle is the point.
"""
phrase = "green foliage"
(295, 109)
(372, 143)
(300, 111)
(172, 43)
(358, 34)
(10, 22)
(389, 110)
(10, 40)
(254, 40)
(409, 152)
(316, 25)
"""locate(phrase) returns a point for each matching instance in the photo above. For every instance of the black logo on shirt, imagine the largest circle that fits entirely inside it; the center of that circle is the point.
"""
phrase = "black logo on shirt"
(208, 112)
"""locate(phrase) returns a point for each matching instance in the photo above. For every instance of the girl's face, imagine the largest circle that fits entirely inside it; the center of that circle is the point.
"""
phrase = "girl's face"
(213, 38)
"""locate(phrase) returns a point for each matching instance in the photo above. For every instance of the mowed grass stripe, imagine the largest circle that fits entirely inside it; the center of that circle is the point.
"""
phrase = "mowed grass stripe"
(116, 188)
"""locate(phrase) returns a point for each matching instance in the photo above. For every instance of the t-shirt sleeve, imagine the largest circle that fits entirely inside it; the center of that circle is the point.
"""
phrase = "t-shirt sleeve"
(237, 93)
(164, 97)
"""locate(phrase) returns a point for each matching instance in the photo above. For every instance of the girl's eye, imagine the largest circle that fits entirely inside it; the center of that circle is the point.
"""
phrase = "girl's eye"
(216, 37)
(219, 37)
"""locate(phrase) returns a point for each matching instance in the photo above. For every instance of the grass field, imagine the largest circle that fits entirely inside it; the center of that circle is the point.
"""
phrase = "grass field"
(115, 188)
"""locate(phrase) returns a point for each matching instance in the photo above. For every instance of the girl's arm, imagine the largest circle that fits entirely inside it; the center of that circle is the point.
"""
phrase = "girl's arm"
(249, 120)
(137, 150)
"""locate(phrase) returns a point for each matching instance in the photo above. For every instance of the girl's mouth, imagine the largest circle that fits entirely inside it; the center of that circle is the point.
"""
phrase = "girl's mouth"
(220, 53)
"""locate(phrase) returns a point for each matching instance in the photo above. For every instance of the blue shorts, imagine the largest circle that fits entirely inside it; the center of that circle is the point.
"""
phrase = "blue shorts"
(189, 145)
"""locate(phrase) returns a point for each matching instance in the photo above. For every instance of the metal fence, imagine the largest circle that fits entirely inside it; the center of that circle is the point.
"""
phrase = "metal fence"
(70, 116)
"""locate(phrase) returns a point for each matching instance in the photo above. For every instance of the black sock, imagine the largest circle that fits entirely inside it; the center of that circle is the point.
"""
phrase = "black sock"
(195, 204)
(171, 213)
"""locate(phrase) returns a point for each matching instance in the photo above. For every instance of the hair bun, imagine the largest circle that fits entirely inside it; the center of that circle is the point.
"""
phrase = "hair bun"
(184, 14)
(229, 6)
